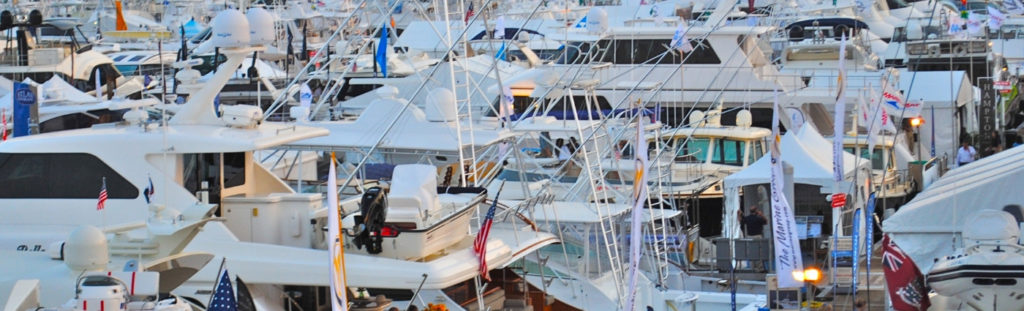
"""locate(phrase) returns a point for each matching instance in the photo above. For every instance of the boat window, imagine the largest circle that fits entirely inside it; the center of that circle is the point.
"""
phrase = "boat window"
(728, 152)
(876, 158)
(755, 152)
(137, 58)
(649, 52)
(128, 70)
(81, 175)
(234, 169)
(693, 151)
(119, 57)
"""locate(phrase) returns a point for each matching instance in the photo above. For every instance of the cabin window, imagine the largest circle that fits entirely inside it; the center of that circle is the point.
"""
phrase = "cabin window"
(755, 152)
(694, 150)
(60, 176)
(207, 167)
(234, 169)
(728, 152)
(649, 51)
(877, 160)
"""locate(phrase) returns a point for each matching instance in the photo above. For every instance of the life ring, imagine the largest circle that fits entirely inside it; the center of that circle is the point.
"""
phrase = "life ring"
(933, 51)
(960, 50)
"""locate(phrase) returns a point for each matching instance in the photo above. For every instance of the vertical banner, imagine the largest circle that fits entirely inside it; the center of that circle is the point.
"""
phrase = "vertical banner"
(339, 296)
(839, 118)
(869, 234)
(24, 102)
(787, 248)
(639, 198)
(986, 111)
(856, 249)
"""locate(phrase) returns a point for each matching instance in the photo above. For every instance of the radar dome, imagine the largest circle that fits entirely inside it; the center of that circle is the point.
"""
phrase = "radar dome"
(440, 105)
(86, 249)
(230, 29)
(744, 119)
(261, 26)
(697, 118)
(597, 20)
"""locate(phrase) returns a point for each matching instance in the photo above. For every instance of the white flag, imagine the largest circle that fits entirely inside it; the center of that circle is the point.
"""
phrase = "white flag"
(505, 107)
(995, 18)
(99, 84)
(973, 24)
(499, 28)
(840, 116)
(305, 95)
(339, 297)
(679, 40)
(639, 198)
(787, 246)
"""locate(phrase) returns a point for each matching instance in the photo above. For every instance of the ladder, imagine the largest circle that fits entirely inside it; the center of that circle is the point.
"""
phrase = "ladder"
(662, 163)
(460, 78)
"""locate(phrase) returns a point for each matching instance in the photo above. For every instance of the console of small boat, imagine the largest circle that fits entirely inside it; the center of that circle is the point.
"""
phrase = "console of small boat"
(414, 219)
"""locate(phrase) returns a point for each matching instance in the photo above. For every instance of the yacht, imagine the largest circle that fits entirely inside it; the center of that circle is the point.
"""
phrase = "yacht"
(201, 164)
(984, 273)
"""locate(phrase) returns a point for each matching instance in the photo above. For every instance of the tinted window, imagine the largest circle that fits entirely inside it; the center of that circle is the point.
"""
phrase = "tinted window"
(728, 152)
(649, 52)
(137, 58)
(694, 150)
(59, 176)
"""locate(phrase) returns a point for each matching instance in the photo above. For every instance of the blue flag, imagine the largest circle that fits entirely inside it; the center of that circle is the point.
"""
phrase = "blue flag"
(382, 51)
(869, 233)
(24, 99)
(223, 295)
(502, 54)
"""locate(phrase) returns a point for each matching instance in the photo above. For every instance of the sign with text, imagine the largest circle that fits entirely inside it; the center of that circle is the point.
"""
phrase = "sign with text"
(987, 110)
(838, 200)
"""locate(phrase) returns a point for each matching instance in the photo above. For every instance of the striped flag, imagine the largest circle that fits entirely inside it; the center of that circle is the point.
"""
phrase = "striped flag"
(103, 195)
(480, 244)
(469, 13)
(149, 191)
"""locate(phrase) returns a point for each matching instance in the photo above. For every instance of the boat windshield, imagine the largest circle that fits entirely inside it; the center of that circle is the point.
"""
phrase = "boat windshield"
(877, 157)
(694, 150)
(728, 151)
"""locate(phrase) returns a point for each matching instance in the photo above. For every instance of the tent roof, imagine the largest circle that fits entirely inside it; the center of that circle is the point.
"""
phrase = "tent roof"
(808, 152)
(924, 227)
(922, 85)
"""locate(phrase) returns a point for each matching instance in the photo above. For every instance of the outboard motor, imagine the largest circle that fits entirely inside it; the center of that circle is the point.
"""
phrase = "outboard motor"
(374, 209)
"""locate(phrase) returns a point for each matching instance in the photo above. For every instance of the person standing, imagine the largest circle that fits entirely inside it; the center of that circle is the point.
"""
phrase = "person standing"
(966, 154)
(754, 223)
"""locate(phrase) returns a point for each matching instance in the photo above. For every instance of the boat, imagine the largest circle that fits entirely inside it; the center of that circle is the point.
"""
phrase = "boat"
(985, 273)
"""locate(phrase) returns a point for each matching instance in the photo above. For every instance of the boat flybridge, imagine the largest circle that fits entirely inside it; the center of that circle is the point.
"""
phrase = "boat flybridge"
(705, 152)
(198, 165)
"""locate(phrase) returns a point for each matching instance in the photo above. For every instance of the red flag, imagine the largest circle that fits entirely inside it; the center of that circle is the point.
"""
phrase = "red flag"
(3, 119)
(469, 13)
(907, 288)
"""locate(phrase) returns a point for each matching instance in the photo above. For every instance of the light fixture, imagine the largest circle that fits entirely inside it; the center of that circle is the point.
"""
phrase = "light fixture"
(915, 122)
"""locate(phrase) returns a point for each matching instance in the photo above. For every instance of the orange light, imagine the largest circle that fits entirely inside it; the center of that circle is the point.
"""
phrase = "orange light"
(915, 122)
(808, 275)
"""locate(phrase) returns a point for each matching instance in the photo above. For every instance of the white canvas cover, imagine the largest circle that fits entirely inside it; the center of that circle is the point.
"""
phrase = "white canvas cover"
(930, 226)
(811, 157)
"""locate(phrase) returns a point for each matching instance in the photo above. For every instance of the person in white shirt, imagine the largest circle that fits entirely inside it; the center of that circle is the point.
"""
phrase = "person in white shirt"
(563, 150)
(966, 154)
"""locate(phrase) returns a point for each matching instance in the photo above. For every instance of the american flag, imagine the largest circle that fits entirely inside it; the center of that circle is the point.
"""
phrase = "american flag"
(469, 13)
(103, 195)
(480, 244)
(223, 295)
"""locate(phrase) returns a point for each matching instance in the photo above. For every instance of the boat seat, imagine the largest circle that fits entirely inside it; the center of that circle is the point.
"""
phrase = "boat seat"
(413, 194)
(990, 227)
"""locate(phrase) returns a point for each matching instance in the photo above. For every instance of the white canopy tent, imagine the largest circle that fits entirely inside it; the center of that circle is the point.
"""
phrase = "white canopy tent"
(953, 88)
(810, 154)
(929, 226)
